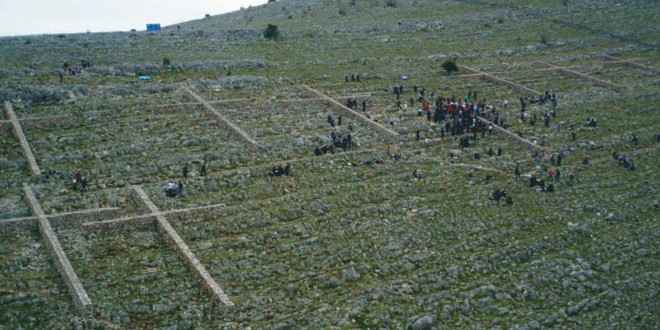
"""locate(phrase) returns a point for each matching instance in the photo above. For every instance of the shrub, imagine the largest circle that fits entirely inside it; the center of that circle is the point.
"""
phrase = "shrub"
(390, 3)
(450, 66)
(271, 32)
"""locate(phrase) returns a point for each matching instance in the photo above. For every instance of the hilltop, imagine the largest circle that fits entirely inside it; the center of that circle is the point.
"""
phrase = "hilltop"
(535, 210)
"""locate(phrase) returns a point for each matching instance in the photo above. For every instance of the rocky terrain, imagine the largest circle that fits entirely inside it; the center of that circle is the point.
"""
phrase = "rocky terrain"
(350, 239)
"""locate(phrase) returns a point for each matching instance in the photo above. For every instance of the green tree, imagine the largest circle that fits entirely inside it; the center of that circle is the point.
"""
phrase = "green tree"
(450, 66)
(271, 32)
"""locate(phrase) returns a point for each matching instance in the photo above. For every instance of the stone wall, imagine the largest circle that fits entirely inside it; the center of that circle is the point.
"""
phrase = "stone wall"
(353, 114)
(48, 123)
(611, 61)
(9, 226)
(138, 223)
(512, 137)
(62, 220)
(75, 219)
(60, 259)
(490, 77)
(20, 136)
(238, 132)
(184, 252)
(232, 103)
(599, 82)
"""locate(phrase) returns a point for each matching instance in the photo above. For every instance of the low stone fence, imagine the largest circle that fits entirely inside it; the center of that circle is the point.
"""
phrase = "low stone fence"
(145, 222)
(75, 219)
(238, 133)
(60, 259)
(353, 114)
(594, 80)
(9, 226)
(49, 123)
(501, 81)
(20, 136)
(184, 252)
(517, 140)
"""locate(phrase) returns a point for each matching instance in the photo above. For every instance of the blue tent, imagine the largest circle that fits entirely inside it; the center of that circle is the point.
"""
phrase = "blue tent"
(153, 27)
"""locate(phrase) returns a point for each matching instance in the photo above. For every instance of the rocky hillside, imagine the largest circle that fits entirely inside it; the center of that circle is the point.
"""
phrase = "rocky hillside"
(406, 226)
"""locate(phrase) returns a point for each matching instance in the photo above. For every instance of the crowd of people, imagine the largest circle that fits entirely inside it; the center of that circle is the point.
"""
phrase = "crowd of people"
(76, 71)
(470, 117)
(280, 171)
(344, 141)
(464, 117)
(79, 183)
(623, 161)
(173, 189)
(353, 78)
(73, 71)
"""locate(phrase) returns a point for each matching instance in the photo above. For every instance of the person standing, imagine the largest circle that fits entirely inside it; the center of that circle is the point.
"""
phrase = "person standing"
(83, 185)
(185, 171)
(203, 171)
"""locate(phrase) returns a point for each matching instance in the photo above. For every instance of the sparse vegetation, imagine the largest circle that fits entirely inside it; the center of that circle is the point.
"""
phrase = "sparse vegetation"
(345, 241)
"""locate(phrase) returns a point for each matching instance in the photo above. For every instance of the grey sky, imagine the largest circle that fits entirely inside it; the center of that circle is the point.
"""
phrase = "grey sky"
(21, 17)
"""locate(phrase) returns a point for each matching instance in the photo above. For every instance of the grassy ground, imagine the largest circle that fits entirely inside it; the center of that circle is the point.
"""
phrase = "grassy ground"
(338, 244)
